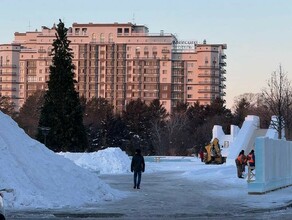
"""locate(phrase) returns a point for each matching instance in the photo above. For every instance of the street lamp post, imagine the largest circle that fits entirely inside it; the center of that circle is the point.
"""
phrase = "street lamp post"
(45, 132)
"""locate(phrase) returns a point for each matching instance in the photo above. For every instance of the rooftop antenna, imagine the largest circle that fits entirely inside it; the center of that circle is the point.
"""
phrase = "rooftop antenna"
(133, 18)
(29, 26)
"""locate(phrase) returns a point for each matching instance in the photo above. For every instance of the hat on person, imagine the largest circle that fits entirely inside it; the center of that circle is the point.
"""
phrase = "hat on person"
(138, 151)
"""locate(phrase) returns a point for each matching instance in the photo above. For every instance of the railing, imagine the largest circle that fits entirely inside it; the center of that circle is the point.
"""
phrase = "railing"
(9, 73)
(42, 51)
(209, 67)
(165, 50)
(207, 91)
(223, 56)
(7, 89)
(208, 83)
(208, 75)
(250, 174)
(8, 65)
(222, 63)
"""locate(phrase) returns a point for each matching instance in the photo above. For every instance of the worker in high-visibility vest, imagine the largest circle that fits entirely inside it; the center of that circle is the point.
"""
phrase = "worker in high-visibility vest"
(240, 162)
(251, 158)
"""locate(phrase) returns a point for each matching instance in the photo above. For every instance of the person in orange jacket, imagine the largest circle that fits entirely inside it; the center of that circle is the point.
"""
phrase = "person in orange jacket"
(251, 158)
(240, 162)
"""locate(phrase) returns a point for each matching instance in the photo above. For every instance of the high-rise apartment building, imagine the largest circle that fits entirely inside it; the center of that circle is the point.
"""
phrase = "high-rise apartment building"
(119, 62)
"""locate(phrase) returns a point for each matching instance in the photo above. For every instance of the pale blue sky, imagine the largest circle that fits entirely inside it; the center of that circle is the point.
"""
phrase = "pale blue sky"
(258, 33)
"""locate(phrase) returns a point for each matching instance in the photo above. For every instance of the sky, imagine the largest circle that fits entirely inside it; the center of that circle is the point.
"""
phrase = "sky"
(38, 176)
(257, 32)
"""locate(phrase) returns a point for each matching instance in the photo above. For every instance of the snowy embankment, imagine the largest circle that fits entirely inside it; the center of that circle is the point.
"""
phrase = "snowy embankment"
(108, 161)
(41, 178)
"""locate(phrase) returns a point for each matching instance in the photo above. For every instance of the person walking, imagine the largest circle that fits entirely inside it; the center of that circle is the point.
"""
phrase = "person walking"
(137, 166)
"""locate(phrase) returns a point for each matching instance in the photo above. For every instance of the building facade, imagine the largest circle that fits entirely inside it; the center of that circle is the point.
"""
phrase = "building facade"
(119, 62)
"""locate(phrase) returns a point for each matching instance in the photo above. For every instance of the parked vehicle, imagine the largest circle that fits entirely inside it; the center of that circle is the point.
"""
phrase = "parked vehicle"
(213, 153)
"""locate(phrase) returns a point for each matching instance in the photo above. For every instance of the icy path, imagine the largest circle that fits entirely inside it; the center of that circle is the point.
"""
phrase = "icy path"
(163, 195)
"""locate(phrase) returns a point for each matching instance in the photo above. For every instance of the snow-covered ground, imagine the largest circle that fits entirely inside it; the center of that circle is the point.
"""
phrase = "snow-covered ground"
(42, 179)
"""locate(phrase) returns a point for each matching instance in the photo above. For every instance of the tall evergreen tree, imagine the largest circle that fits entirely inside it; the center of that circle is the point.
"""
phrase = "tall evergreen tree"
(62, 111)
(241, 111)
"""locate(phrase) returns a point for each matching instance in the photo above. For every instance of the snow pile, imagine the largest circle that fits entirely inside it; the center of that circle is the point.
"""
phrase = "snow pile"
(108, 161)
(41, 178)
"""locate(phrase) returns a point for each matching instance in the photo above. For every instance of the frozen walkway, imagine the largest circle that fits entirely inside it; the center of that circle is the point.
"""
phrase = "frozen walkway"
(164, 195)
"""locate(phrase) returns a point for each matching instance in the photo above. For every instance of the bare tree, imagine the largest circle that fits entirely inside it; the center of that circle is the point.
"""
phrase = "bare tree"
(277, 97)
(256, 106)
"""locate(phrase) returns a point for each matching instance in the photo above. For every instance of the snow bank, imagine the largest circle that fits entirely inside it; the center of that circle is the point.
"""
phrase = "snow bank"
(108, 161)
(41, 178)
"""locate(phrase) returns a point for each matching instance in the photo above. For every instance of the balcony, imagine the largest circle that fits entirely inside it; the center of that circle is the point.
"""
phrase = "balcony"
(8, 65)
(42, 51)
(177, 67)
(165, 51)
(7, 89)
(208, 75)
(223, 56)
(209, 67)
(222, 63)
(8, 73)
(222, 93)
(223, 71)
(223, 86)
(208, 83)
(208, 91)
(223, 78)
(45, 58)
(8, 81)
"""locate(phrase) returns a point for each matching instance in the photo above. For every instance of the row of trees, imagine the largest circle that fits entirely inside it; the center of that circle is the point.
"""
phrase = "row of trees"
(77, 124)
(148, 127)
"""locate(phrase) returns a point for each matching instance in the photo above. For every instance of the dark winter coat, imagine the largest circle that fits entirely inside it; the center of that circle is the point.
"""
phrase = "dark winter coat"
(138, 163)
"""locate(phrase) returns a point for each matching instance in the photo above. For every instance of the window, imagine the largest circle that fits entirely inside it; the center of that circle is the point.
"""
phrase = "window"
(189, 96)
(126, 31)
(102, 37)
(84, 31)
(31, 79)
(164, 95)
(164, 79)
(164, 71)
(164, 88)
(190, 88)
(190, 80)
(111, 37)
(120, 31)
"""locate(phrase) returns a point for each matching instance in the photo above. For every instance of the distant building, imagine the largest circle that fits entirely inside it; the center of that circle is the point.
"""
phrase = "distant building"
(119, 62)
